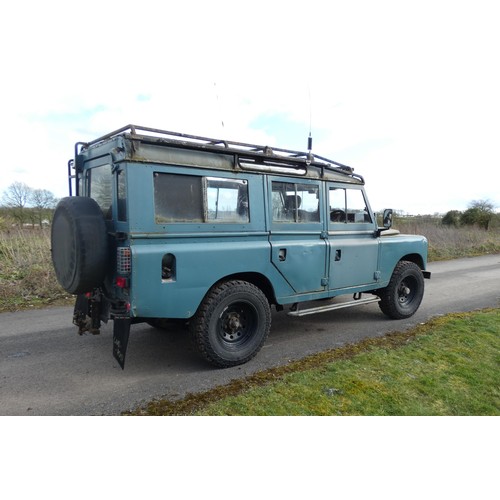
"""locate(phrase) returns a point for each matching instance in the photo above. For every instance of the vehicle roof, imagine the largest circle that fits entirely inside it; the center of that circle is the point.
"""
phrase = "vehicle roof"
(146, 144)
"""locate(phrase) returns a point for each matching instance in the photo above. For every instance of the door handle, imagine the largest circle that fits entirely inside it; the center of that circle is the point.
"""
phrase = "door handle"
(338, 254)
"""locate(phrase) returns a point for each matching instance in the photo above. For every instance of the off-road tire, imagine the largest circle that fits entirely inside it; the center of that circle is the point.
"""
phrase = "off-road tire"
(79, 244)
(231, 324)
(403, 295)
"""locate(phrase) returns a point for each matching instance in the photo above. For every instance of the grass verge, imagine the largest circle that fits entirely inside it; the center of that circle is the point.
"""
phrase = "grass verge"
(27, 278)
(449, 366)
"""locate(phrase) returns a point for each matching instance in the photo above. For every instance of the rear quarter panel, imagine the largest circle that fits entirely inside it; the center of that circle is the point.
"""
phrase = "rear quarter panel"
(200, 263)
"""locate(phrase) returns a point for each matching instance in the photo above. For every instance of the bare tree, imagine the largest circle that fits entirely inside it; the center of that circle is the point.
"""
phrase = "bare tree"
(43, 202)
(486, 206)
(16, 198)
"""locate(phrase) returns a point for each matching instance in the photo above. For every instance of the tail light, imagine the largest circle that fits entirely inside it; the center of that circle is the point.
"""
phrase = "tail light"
(123, 266)
(124, 261)
(121, 282)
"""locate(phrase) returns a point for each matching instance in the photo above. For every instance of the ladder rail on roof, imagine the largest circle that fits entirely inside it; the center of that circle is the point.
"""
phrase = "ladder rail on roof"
(190, 140)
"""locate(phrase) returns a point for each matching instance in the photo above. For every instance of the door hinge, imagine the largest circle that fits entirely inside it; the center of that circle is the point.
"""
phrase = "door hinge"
(324, 281)
(377, 275)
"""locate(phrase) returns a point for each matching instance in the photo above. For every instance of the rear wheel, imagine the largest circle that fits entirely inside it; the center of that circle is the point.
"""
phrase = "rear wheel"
(403, 295)
(231, 324)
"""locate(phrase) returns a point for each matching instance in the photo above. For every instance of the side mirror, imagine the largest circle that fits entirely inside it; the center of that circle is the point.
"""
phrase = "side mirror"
(387, 219)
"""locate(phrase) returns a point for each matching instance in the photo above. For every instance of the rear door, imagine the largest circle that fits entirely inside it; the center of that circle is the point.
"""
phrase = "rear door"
(297, 236)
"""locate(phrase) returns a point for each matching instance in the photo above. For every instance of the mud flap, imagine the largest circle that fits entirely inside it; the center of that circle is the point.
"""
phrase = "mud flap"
(121, 331)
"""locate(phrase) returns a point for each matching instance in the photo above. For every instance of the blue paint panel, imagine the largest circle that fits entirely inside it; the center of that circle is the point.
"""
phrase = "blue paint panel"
(353, 259)
(300, 259)
(200, 263)
(394, 248)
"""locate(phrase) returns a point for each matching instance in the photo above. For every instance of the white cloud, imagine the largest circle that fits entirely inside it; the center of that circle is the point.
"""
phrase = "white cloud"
(406, 93)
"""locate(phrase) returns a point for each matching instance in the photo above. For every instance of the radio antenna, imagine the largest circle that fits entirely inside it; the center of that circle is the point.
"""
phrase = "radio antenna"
(218, 105)
(309, 139)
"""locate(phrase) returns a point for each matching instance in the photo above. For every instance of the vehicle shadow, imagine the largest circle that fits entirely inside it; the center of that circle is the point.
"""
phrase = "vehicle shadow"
(154, 349)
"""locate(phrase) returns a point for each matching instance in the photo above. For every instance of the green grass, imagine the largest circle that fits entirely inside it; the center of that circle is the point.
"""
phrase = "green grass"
(449, 366)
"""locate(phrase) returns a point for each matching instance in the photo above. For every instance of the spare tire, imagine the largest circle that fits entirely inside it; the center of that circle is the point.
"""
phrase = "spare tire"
(79, 243)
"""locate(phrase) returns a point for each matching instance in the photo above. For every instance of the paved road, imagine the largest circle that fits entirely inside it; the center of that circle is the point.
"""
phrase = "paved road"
(47, 369)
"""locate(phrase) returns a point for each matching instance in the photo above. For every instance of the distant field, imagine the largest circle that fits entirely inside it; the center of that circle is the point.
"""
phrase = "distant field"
(448, 242)
(27, 278)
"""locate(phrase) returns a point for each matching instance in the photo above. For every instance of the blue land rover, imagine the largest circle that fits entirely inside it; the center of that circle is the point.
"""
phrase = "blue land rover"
(163, 226)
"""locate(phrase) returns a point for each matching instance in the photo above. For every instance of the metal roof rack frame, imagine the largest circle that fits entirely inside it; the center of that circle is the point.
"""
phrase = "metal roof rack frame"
(255, 153)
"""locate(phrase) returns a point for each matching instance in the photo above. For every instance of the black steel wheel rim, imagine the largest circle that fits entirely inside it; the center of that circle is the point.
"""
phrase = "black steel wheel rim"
(237, 324)
(407, 291)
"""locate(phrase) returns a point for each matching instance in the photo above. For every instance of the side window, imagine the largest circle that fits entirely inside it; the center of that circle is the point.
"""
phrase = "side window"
(178, 198)
(227, 200)
(295, 202)
(189, 198)
(101, 188)
(348, 206)
(337, 205)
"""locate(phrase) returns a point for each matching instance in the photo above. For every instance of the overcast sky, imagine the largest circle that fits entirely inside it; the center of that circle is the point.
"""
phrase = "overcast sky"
(405, 92)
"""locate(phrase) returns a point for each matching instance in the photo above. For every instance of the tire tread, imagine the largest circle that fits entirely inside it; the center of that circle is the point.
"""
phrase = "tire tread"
(199, 328)
(388, 303)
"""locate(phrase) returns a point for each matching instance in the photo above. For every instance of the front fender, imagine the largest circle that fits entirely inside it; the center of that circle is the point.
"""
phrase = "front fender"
(402, 247)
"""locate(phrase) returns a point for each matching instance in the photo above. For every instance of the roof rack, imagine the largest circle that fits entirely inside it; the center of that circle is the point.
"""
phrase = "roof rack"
(264, 154)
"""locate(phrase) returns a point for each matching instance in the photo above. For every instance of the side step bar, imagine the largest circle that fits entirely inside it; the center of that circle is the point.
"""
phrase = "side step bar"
(331, 307)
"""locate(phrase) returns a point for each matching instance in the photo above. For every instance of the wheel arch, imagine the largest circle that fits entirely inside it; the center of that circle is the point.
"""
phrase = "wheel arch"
(256, 279)
(415, 258)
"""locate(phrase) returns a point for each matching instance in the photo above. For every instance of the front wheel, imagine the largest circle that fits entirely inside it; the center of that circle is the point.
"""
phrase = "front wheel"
(231, 324)
(403, 295)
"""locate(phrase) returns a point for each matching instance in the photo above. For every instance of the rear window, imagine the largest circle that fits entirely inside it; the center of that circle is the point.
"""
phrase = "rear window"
(101, 188)
(178, 198)
(189, 198)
